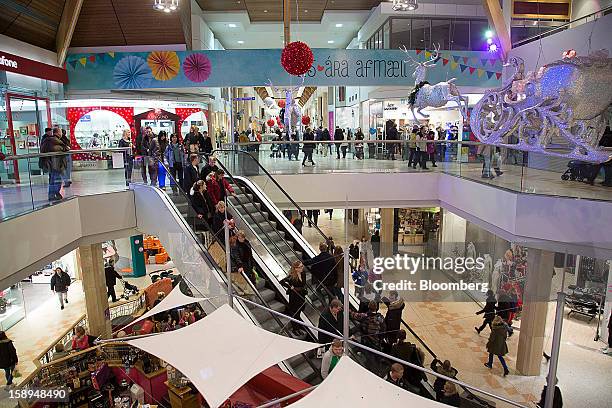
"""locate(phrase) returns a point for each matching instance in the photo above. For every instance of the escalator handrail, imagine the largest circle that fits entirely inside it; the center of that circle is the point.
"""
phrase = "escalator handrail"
(268, 175)
(278, 321)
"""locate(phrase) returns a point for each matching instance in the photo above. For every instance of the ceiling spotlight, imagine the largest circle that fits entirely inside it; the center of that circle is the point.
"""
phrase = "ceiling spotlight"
(330, 41)
(240, 42)
(489, 41)
(493, 47)
(338, 25)
(232, 25)
(265, 11)
(166, 5)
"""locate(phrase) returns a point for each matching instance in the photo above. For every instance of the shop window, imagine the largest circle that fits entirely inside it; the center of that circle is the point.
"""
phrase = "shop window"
(440, 33)
(400, 33)
(100, 128)
(420, 34)
(460, 35)
(478, 41)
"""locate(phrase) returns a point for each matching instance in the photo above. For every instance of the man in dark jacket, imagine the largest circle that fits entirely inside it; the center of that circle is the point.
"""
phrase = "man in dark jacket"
(338, 137)
(407, 351)
(331, 320)
(59, 284)
(488, 310)
(392, 134)
(111, 276)
(211, 167)
(323, 270)
(190, 173)
(308, 147)
(393, 318)
(242, 256)
(54, 165)
(8, 357)
(207, 146)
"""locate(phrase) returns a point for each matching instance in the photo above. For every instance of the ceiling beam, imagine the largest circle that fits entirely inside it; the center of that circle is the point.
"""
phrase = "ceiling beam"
(70, 16)
(33, 14)
(496, 19)
(287, 21)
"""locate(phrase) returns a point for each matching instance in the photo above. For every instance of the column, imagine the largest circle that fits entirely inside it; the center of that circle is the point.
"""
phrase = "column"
(94, 286)
(362, 224)
(536, 298)
(386, 231)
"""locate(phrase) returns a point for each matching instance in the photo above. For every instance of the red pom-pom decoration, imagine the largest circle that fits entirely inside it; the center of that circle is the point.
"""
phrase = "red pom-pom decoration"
(297, 58)
(305, 120)
(278, 121)
(270, 122)
(281, 103)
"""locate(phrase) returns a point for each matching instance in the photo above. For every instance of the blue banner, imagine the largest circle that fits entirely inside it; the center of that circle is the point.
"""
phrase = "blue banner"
(332, 67)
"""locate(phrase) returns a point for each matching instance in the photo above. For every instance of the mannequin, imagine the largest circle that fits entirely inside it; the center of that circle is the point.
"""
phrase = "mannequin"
(488, 268)
(496, 276)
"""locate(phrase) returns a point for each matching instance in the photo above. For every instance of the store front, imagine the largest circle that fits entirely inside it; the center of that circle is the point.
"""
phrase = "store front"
(27, 88)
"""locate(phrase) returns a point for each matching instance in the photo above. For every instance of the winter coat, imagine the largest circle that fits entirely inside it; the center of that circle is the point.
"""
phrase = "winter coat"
(338, 134)
(412, 141)
(213, 186)
(497, 339)
(296, 295)
(489, 309)
(431, 147)
(8, 354)
(308, 147)
(331, 324)
(52, 144)
(372, 325)
(393, 318)
(150, 147)
(111, 276)
(242, 256)
(408, 352)
(190, 176)
(323, 268)
(202, 204)
(169, 154)
(60, 283)
(207, 146)
(436, 366)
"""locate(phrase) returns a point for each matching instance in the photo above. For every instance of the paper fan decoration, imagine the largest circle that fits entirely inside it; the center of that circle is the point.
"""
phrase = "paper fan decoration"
(197, 67)
(165, 65)
(132, 72)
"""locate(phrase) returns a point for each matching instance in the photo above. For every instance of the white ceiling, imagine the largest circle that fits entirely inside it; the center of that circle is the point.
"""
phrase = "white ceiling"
(270, 35)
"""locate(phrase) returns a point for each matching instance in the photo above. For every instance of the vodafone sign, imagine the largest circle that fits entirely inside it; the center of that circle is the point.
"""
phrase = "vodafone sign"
(24, 66)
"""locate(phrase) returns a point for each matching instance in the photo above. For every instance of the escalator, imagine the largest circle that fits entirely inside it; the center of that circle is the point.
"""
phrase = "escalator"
(195, 246)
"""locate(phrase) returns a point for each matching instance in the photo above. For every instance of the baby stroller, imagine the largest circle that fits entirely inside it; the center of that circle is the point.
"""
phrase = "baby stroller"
(128, 289)
(577, 170)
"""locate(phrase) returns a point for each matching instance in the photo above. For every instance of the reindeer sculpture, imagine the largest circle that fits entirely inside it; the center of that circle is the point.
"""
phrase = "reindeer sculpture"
(435, 96)
(292, 113)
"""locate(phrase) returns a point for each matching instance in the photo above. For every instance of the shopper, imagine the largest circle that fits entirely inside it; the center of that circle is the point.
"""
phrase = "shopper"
(396, 375)
(80, 340)
(338, 138)
(67, 174)
(60, 352)
(298, 222)
(422, 147)
(59, 284)
(339, 259)
(327, 146)
(151, 155)
(295, 284)
(393, 318)
(331, 357)
(331, 320)
(8, 358)
(557, 399)
(497, 343)
(488, 310)
(313, 217)
(207, 146)
(321, 266)
(431, 148)
(450, 396)
(128, 156)
(242, 258)
(211, 167)
(111, 276)
(375, 240)
(202, 205)
(190, 173)
(308, 147)
(193, 140)
(359, 146)
(446, 369)
(372, 326)
(413, 156)
(392, 135)
(54, 165)
(219, 219)
(218, 186)
(175, 157)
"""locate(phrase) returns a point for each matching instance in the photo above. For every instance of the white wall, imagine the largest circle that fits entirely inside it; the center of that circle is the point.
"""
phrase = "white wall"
(34, 239)
(582, 8)
(551, 48)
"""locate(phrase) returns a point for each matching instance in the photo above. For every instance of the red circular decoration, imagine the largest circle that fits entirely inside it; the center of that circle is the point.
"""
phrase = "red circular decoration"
(305, 120)
(281, 103)
(297, 58)
(270, 122)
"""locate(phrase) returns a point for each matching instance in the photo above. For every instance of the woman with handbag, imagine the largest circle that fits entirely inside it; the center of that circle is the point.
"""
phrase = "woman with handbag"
(295, 284)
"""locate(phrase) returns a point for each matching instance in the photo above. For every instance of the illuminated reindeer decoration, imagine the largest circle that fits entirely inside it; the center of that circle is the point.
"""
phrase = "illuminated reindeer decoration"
(435, 96)
(292, 112)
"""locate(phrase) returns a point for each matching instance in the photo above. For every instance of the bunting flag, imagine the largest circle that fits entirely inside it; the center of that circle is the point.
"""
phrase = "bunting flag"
(456, 58)
(444, 61)
(100, 57)
(493, 61)
(454, 65)
(463, 67)
(465, 60)
(480, 72)
(112, 54)
(83, 61)
(418, 52)
(490, 74)
(475, 60)
(92, 58)
(498, 75)
(484, 62)
(472, 69)
(73, 64)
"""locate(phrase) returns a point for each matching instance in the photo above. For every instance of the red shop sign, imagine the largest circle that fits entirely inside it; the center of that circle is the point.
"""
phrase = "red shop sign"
(24, 66)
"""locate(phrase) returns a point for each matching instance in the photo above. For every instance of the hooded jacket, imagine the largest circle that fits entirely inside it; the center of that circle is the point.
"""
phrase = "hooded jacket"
(8, 354)
(497, 339)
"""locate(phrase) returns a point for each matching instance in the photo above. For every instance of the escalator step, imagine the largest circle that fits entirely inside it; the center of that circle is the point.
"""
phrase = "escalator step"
(267, 294)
